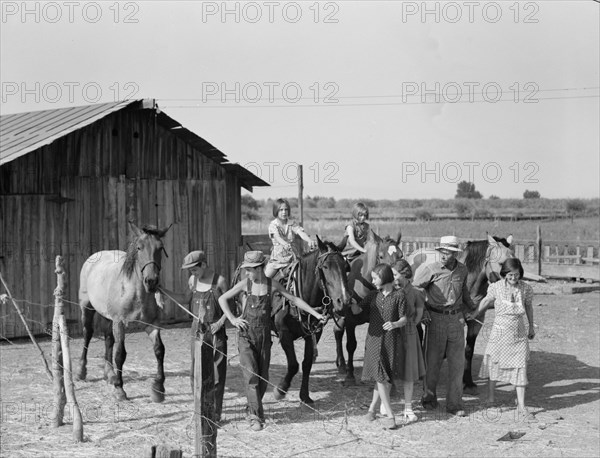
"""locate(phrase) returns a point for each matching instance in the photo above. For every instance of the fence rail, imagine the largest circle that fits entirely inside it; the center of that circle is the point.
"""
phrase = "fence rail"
(559, 258)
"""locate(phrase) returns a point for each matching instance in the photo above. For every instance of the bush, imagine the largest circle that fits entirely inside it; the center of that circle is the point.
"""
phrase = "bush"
(482, 213)
(423, 215)
(462, 208)
(531, 194)
(493, 197)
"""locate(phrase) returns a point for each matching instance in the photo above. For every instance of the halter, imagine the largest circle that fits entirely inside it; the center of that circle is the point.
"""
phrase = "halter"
(148, 263)
(326, 301)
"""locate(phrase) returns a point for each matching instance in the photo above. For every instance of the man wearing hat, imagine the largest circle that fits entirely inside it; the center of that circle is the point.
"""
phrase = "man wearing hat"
(448, 299)
(204, 289)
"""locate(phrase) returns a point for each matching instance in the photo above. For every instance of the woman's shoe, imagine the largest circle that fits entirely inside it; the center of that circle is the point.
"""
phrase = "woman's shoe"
(409, 417)
(524, 416)
(388, 423)
(370, 415)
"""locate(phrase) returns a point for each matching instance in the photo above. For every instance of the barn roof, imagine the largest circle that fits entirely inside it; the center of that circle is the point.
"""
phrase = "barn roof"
(22, 133)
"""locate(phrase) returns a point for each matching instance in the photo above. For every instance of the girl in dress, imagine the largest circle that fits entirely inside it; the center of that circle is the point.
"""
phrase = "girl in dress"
(507, 351)
(357, 231)
(282, 232)
(409, 344)
(384, 363)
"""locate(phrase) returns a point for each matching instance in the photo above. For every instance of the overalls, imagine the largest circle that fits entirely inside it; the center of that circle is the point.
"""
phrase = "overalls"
(205, 306)
(255, 349)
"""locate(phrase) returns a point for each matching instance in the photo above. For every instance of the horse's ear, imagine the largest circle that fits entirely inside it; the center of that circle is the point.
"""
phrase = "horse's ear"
(509, 239)
(491, 240)
(136, 230)
(162, 232)
(399, 237)
(320, 244)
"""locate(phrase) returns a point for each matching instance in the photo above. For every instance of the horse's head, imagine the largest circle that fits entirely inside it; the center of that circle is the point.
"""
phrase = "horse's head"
(147, 249)
(331, 270)
(389, 251)
(498, 251)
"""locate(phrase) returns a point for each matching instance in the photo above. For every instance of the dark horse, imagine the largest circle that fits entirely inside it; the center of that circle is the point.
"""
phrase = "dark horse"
(120, 287)
(378, 250)
(483, 259)
(322, 283)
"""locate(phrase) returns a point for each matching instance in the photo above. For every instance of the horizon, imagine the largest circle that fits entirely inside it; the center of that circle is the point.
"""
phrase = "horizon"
(383, 99)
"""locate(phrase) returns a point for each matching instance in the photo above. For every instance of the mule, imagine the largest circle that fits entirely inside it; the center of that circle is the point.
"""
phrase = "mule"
(320, 280)
(377, 250)
(483, 259)
(120, 287)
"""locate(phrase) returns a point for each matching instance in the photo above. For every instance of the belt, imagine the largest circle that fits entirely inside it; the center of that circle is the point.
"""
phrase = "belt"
(444, 312)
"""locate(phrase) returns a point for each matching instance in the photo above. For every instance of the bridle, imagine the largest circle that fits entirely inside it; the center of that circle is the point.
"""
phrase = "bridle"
(326, 301)
(154, 262)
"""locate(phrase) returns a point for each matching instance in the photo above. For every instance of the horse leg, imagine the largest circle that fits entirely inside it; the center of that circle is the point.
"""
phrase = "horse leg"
(287, 343)
(157, 392)
(307, 364)
(473, 328)
(120, 355)
(340, 361)
(109, 342)
(87, 319)
(351, 348)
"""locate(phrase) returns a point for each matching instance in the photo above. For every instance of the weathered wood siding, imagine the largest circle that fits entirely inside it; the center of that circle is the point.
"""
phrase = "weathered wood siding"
(75, 196)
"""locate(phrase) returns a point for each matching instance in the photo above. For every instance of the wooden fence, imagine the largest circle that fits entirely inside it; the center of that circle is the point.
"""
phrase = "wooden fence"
(559, 259)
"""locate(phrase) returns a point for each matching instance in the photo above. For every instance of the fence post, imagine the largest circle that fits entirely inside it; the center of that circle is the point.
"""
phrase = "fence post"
(60, 342)
(204, 394)
(539, 249)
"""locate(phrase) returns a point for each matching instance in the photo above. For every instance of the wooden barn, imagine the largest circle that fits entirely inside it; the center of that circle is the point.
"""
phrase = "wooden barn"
(71, 178)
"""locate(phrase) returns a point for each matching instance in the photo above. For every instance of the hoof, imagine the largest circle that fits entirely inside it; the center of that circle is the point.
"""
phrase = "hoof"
(350, 381)
(120, 394)
(306, 400)
(157, 392)
(470, 389)
(278, 394)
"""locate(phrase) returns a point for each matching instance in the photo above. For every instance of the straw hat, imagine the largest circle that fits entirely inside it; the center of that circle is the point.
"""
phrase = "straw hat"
(253, 259)
(450, 243)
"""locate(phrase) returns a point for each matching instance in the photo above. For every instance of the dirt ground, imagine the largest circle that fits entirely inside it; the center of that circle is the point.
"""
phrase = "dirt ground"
(564, 373)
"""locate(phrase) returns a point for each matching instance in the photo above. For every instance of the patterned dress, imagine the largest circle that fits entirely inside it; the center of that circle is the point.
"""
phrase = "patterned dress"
(361, 231)
(507, 351)
(282, 256)
(385, 356)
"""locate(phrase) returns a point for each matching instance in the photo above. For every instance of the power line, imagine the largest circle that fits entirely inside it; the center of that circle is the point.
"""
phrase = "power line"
(379, 96)
(331, 105)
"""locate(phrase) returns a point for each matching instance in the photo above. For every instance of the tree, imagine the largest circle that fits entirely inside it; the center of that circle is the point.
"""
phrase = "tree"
(466, 190)
(494, 197)
(249, 202)
(531, 194)
(575, 207)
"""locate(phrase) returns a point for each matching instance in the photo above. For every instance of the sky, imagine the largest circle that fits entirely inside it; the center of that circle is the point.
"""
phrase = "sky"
(377, 99)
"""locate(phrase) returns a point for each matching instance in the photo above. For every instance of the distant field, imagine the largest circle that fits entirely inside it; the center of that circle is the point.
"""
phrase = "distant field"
(581, 229)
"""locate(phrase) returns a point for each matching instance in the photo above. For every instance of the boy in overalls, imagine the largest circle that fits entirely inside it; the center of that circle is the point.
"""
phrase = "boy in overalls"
(254, 327)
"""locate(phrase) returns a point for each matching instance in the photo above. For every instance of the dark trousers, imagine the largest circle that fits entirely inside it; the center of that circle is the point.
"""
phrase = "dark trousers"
(445, 336)
(255, 357)
(219, 343)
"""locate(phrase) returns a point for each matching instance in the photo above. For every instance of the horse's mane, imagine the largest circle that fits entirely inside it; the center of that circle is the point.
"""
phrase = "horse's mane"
(476, 250)
(131, 254)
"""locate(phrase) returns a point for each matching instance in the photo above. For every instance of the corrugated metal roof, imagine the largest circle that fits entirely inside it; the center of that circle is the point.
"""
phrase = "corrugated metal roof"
(22, 133)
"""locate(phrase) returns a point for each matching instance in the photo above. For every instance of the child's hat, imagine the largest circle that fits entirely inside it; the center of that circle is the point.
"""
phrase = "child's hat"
(253, 259)
(193, 259)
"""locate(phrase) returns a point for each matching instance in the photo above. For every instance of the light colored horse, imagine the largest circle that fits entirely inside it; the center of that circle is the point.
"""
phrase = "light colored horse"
(483, 259)
(120, 286)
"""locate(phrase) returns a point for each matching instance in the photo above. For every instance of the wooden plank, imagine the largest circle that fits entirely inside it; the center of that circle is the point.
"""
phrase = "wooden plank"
(122, 213)
(550, 270)
(111, 208)
(578, 289)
